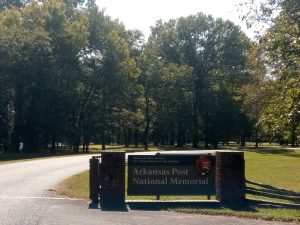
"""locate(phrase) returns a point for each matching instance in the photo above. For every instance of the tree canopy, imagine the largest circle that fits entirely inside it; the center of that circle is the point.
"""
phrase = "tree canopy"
(70, 75)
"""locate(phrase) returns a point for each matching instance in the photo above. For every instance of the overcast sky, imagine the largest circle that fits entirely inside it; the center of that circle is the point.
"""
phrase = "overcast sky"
(141, 14)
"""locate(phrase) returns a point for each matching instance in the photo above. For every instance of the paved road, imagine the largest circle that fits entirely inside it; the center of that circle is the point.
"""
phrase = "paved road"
(24, 187)
(25, 199)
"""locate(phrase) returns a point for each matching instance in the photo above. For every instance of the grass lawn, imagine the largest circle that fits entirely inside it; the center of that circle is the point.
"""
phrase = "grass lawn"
(272, 173)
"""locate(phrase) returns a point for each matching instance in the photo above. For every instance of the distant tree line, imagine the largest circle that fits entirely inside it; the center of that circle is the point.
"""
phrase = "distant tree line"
(70, 75)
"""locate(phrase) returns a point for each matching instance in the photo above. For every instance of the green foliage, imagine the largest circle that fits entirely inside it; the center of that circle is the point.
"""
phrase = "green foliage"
(32, 39)
(71, 75)
(279, 116)
(216, 52)
(281, 44)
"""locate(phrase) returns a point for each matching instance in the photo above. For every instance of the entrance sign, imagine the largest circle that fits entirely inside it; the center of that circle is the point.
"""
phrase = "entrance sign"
(171, 174)
(220, 173)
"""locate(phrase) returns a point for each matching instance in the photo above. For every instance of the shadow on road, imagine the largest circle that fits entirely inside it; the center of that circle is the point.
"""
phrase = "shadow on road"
(118, 208)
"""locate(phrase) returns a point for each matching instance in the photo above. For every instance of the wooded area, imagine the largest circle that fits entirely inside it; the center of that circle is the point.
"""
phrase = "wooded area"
(70, 75)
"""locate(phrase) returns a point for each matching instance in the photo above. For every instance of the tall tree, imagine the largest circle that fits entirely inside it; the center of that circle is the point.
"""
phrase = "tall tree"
(254, 94)
(216, 50)
(39, 61)
(280, 44)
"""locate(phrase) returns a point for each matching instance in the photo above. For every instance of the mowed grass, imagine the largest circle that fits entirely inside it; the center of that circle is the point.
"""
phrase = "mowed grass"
(253, 211)
(272, 174)
(76, 186)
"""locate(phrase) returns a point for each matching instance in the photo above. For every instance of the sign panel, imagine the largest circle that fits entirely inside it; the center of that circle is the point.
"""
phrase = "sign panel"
(171, 175)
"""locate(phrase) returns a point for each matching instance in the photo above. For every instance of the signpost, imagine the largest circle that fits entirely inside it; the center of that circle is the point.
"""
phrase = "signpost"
(171, 175)
(182, 173)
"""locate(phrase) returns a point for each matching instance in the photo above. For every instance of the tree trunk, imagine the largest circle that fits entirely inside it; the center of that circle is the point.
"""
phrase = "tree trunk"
(156, 137)
(125, 138)
(215, 143)
(136, 137)
(74, 132)
(16, 136)
(293, 133)
(256, 138)
(76, 144)
(206, 140)
(180, 136)
(86, 142)
(129, 136)
(103, 139)
(162, 138)
(206, 133)
(119, 137)
(243, 141)
(172, 137)
(30, 142)
(15, 139)
(53, 141)
(195, 128)
(147, 117)
(87, 147)
(31, 137)
(146, 137)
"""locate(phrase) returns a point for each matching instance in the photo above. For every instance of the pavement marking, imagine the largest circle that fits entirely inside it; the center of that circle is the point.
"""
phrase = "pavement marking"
(46, 198)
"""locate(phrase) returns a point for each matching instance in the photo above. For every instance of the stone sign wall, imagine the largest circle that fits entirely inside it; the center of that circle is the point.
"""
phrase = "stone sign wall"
(184, 173)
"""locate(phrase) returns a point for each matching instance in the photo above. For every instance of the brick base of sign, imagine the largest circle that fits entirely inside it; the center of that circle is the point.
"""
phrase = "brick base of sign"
(112, 177)
(94, 179)
(230, 178)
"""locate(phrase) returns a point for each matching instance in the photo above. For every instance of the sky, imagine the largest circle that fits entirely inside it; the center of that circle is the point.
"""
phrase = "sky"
(141, 14)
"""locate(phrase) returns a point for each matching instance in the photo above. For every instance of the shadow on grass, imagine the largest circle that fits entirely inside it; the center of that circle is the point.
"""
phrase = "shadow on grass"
(202, 208)
(274, 193)
(165, 205)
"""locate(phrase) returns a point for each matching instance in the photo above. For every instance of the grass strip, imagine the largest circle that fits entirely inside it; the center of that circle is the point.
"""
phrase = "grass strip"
(252, 211)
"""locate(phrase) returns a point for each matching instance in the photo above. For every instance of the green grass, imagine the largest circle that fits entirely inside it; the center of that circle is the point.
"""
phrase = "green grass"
(76, 186)
(254, 211)
(272, 174)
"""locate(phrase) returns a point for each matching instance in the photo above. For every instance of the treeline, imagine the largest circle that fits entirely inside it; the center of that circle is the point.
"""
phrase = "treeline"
(70, 75)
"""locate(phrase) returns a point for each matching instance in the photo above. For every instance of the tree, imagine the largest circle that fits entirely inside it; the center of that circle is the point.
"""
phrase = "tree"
(150, 65)
(254, 94)
(280, 44)
(41, 47)
(111, 71)
(216, 51)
